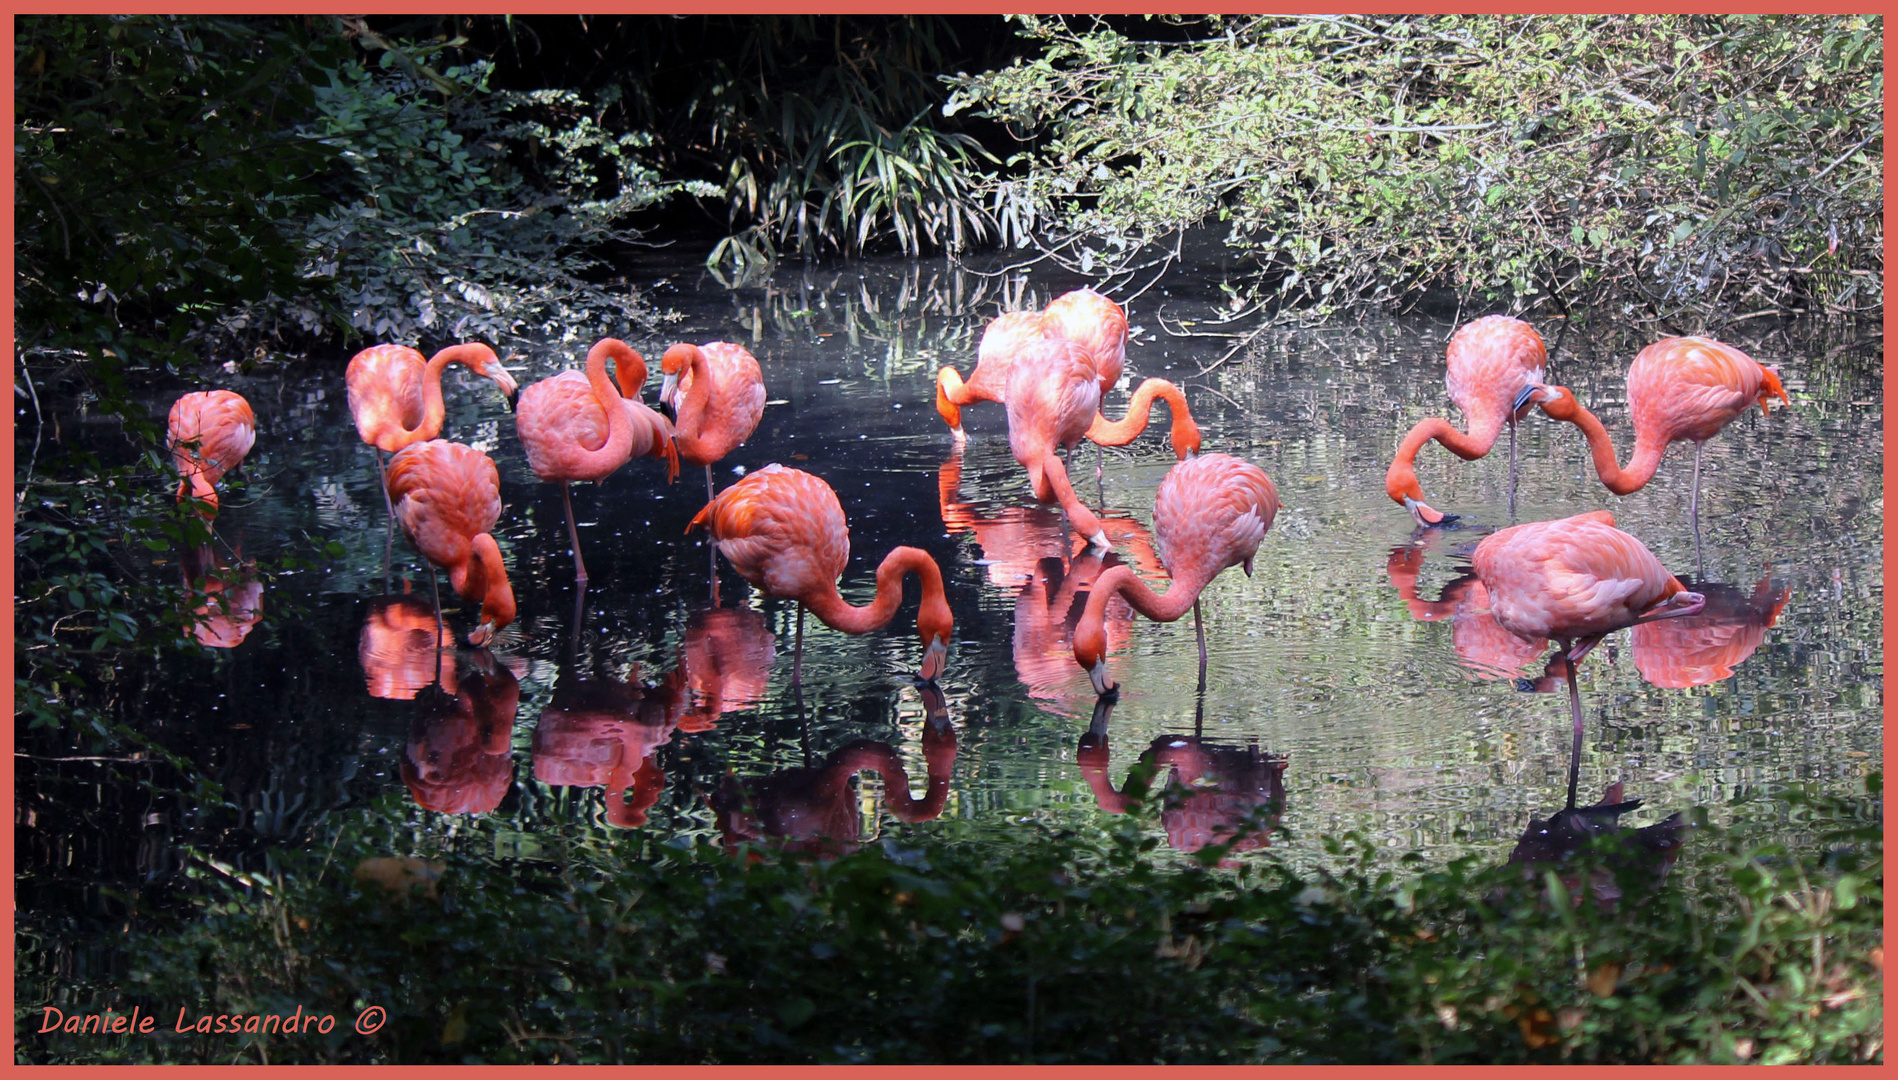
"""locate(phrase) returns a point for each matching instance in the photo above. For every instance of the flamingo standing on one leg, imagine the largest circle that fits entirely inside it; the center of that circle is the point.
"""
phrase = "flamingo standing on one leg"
(209, 432)
(1491, 363)
(447, 499)
(716, 393)
(1053, 397)
(395, 397)
(582, 427)
(784, 531)
(1680, 388)
(1211, 512)
(1577, 580)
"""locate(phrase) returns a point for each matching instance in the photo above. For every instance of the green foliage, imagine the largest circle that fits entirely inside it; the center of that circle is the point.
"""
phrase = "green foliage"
(1058, 946)
(1671, 163)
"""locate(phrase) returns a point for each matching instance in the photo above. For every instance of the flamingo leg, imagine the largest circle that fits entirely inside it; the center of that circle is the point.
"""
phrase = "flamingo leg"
(1575, 748)
(388, 531)
(797, 653)
(1693, 503)
(709, 494)
(1512, 467)
(1199, 631)
(435, 585)
(573, 537)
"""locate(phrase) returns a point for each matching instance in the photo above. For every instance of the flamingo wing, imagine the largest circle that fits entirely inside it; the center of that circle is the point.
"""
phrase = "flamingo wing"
(783, 529)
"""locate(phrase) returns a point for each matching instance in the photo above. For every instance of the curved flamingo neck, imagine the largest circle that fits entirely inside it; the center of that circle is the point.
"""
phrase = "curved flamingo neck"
(690, 423)
(1641, 467)
(618, 446)
(951, 394)
(1185, 432)
(1092, 756)
(1090, 635)
(484, 577)
(1400, 481)
(433, 410)
(1051, 485)
(837, 614)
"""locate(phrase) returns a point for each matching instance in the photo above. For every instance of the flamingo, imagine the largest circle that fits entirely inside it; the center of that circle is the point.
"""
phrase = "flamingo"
(1577, 580)
(784, 531)
(716, 393)
(395, 397)
(1005, 335)
(582, 427)
(1095, 323)
(1052, 399)
(447, 499)
(459, 756)
(1211, 512)
(1679, 389)
(209, 432)
(1490, 363)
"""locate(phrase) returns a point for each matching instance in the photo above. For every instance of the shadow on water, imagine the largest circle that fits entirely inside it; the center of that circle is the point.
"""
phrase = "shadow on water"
(676, 719)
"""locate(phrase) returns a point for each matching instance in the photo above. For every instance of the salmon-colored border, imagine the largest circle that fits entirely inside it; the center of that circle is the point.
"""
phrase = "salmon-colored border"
(800, 1072)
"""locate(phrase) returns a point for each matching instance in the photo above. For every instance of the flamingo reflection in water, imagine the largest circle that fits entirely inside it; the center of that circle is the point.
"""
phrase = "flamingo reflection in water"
(604, 732)
(1216, 793)
(401, 651)
(726, 656)
(1705, 648)
(226, 600)
(1030, 555)
(814, 808)
(458, 756)
(1483, 646)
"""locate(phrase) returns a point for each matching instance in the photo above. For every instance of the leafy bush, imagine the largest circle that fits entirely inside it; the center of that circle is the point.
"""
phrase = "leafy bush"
(1056, 946)
(1698, 165)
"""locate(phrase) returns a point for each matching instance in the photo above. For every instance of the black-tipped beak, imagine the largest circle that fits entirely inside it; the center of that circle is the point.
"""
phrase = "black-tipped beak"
(1523, 397)
(514, 401)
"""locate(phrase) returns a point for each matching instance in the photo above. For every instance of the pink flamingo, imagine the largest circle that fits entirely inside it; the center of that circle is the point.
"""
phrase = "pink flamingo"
(1679, 389)
(395, 397)
(716, 391)
(1005, 336)
(1211, 512)
(784, 531)
(1053, 396)
(448, 499)
(208, 433)
(1492, 364)
(582, 427)
(1577, 580)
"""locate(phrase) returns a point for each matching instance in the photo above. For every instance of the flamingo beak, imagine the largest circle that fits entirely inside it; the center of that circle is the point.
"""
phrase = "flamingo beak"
(1424, 515)
(1099, 540)
(1098, 675)
(479, 637)
(669, 394)
(1247, 566)
(1520, 404)
(935, 660)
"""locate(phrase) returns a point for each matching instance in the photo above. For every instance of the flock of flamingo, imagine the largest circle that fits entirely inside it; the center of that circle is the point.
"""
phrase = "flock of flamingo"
(1573, 580)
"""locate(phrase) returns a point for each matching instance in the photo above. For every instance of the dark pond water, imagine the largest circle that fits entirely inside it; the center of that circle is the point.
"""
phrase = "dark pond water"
(1345, 678)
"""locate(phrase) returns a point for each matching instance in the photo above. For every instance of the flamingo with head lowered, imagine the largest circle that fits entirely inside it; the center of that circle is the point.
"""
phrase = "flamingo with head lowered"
(1211, 512)
(784, 531)
(448, 499)
(1490, 365)
(1577, 580)
(1679, 389)
(582, 427)
(208, 432)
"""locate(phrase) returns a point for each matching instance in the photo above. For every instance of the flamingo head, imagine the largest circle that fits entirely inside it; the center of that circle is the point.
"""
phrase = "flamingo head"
(1556, 402)
(1185, 436)
(936, 626)
(1090, 651)
(482, 361)
(950, 412)
(1400, 483)
(673, 366)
